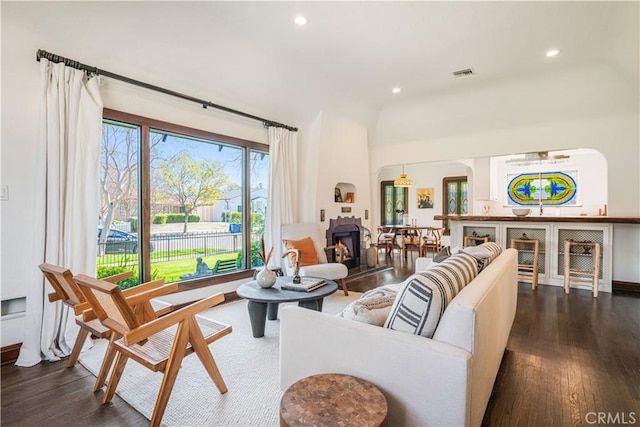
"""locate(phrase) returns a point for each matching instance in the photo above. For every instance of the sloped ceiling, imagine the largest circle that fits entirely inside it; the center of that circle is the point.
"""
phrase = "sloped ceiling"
(250, 55)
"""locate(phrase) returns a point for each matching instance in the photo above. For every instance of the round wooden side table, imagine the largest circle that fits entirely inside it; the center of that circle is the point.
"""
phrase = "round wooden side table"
(333, 400)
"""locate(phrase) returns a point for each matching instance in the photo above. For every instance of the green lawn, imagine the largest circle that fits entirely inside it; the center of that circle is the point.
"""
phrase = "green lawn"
(170, 271)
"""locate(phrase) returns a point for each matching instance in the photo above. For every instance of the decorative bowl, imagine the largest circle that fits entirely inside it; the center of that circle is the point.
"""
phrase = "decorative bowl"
(521, 212)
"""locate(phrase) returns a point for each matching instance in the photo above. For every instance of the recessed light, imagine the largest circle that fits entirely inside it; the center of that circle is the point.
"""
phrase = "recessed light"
(552, 52)
(396, 90)
(300, 20)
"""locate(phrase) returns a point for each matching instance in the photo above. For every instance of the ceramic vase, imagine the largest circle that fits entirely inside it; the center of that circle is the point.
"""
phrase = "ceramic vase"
(372, 256)
(266, 278)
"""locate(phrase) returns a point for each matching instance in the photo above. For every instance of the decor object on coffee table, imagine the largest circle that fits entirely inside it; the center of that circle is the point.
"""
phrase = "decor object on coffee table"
(265, 277)
(296, 264)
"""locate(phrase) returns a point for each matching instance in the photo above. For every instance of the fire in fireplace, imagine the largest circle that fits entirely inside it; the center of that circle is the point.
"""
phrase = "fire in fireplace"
(347, 231)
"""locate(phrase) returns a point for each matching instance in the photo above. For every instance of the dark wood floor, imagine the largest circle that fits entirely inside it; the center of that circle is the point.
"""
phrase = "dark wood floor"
(568, 357)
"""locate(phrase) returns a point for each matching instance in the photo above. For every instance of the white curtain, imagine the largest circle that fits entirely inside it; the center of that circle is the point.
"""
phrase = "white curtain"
(67, 204)
(282, 198)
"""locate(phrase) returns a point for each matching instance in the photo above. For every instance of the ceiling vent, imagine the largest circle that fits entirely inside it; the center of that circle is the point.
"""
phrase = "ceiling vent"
(467, 72)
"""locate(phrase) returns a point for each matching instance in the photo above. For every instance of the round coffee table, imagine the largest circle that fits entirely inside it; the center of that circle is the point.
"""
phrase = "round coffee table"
(333, 400)
(263, 300)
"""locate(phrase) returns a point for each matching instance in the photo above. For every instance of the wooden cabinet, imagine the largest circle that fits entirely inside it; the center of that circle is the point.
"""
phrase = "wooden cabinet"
(551, 236)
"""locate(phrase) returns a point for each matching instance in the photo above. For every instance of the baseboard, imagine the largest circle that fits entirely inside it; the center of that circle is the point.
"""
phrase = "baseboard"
(9, 354)
(617, 285)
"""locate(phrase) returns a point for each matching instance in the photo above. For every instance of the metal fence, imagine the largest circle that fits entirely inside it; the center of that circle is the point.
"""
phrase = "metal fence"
(170, 246)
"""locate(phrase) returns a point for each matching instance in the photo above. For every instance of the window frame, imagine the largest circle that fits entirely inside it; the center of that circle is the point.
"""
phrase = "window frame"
(458, 180)
(405, 195)
(147, 125)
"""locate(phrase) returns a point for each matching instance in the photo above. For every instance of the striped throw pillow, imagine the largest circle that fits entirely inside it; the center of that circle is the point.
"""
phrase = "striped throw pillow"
(484, 253)
(422, 300)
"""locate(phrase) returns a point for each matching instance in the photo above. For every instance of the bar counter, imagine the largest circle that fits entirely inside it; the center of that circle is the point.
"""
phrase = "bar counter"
(545, 218)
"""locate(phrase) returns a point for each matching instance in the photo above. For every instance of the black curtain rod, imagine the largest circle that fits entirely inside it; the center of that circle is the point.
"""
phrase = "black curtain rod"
(98, 72)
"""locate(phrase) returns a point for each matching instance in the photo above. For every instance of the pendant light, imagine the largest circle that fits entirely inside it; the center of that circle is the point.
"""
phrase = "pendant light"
(403, 181)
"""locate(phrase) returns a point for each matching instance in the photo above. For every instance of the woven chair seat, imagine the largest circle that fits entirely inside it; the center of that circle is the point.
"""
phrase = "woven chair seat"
(155, 351)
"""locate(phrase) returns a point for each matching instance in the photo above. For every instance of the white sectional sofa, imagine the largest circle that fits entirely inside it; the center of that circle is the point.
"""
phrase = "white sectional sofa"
(441, 381)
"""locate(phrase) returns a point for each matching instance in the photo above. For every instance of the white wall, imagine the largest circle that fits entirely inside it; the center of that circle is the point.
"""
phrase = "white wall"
(337, 152)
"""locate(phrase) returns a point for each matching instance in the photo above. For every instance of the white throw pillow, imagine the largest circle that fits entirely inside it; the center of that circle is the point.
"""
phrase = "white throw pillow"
(372, 307)
(422, 300)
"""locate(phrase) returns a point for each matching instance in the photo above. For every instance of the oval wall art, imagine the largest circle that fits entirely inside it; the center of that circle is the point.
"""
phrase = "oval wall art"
(548, 188)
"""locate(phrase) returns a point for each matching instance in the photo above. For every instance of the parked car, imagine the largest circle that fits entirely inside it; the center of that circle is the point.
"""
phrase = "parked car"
(120, 242)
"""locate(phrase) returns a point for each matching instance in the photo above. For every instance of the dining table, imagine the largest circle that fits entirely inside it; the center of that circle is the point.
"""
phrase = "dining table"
(398, 229)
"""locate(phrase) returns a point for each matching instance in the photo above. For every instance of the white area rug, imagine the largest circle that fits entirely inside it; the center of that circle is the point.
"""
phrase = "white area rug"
(249, 366)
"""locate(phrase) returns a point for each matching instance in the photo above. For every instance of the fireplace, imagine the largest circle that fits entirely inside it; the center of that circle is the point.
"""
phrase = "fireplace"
(347, 231)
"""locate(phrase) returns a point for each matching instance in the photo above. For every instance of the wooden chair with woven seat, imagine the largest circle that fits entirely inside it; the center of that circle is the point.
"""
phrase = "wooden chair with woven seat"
(159, 344)
(67, 291)
(386, 239)
(411, 240)
(433, 241)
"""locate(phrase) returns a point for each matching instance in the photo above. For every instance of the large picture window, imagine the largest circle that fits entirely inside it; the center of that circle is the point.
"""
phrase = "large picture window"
(178, 203)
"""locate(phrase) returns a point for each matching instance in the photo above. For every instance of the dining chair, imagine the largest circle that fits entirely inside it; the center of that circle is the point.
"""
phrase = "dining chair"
(411, 240)
(67, 291)
(386, 239)
(433, 241)
(159, 344)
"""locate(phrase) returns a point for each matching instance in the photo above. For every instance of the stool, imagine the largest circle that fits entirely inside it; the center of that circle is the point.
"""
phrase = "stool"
(589, 248)
(333, 400)
(528, 267)
(475, 239)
